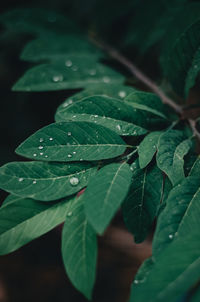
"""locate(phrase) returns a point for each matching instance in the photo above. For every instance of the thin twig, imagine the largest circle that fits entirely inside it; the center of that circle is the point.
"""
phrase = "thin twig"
(139, 75)
(192, 124)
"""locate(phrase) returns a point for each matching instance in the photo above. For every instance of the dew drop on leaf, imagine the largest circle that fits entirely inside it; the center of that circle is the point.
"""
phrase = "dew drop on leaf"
(40, 147)
(69, 133)
(106, 79)
(74, 181)
(20, 179)
(57, 78)
(118, 127)
(41, 140)
(69, 214)
(69, 155)
(68, 63)
(34, 154)
(122, 94)
(34, 182)
(170, 236)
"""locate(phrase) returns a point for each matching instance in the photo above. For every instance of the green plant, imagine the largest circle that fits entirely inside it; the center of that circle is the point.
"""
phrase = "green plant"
(128, 147)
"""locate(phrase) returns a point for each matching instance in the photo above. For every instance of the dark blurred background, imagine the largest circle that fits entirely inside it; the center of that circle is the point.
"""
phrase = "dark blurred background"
(35, 272)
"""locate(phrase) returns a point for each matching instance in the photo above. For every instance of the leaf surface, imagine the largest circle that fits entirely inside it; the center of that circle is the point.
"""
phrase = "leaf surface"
(79, 249)
(143, 200)
(72, 141)
(24, 219)
(45, 181)
(103, 110)
(105, 193)
(172, 147)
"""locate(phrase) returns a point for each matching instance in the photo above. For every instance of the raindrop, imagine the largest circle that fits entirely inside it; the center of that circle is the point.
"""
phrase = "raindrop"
(20, 179)
(118, 127)
(69, 133)
(74, 152)
(170, 236)
(106, 79)
(46, 156)
(34, 182)
(96, 115)
(69, 214)
(41, 153)
(122, 94)
(68, 63)
(92, 72)
(40, 147)
(69, 155)
(74, 181)
(41, 140)
(136, 281)
(51, 138)
(57, 78)
(74, 68)
(34, 154)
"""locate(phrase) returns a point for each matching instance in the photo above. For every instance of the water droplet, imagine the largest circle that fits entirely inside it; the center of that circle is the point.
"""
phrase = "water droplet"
(74, 116)
(81, 159)
(69, 133)
(92, 72)
(154, 146)
(57, 78)
(69, 214)
(46, 156)
(69, 155)
(74, 68)
(136, 281)
(34, 182)
(41, 140)
(106, 79)
(41, 153)
(20, 179)
(34, 154)
(170, 236)
(74, 152)
(68, 63)
(135, 110)
(195, 66)
(122, 94)
(118, 127)
(40, 147)
(96, 115)
(74, 181)
(51, 138)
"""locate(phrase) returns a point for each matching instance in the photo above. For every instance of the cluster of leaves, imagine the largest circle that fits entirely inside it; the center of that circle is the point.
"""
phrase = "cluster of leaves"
(126, 147)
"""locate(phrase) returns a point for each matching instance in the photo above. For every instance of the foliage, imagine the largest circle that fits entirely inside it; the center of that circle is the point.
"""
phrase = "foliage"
(124, 145)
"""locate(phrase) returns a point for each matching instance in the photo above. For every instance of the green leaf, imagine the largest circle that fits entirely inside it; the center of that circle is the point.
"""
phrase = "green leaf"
(182, 64)
(82, 72)
(143, 200)
(44, 181)
(79, 249)
(46, 48)
(172, 147)
(147, 148)
(176, 270)
(72, 141)
(105, 193)
(196, 295)
(178, 204)
(144, 270)
(113, 90)
(23, 220)
(103, 110)
(195, 170)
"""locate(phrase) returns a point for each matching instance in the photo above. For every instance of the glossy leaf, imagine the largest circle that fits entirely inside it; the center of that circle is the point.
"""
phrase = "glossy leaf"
(46, 48)
(57, 75)
(72, 141)
(172, 275)
(105, 193)
(79, 249)
(143, 200)
(172, 147)
(195, 170)
(44, 181)
(103, 110)
(24, 219)
(178, 205)
(148, 148)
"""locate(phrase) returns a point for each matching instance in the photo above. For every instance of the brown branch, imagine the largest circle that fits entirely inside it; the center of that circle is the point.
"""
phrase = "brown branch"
(139, 75)
(192, 124)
